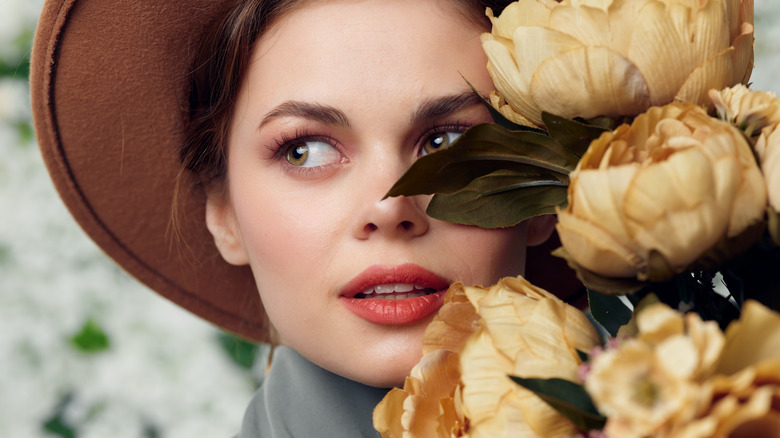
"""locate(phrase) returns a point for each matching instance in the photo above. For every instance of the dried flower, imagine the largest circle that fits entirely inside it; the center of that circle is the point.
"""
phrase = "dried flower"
(528, 332)
(758, 114)
(650, 384)
(647, 200)
(745, 386)
(426, 406)
(586, 58)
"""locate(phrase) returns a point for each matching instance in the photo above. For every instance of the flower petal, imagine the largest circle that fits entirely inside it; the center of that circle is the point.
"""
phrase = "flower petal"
(752, 339)
(597, 250)
(601, 82)
(507, 79)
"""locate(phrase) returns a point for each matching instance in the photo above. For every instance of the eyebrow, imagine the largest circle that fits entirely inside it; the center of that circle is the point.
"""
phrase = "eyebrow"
(324, 114)
(430, 109)
(439, 107)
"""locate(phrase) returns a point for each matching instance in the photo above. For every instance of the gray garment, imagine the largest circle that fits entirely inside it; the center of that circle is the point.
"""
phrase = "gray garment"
(300, 399)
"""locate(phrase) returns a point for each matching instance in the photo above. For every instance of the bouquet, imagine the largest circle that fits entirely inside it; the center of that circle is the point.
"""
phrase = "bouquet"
(631, 120)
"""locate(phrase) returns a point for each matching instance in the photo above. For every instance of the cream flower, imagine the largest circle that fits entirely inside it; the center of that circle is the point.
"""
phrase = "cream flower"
(758, 114)
(429, 405)
(455, 322)
(586, 58)
(426, 406)
(745, 386)
(640, 389)
(653, 383)
(647, 200)
(528, 332)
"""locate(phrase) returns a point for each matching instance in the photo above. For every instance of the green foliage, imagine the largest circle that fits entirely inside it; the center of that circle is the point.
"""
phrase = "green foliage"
(5, 253)
(242, 353)
(25, 131)
(497, 175)
(492, 177)
(609, 311)
(518, 198)
(568, 398)
(57, 424)
(151, 431)
(91, 338)
(19, 68)
(573, 135)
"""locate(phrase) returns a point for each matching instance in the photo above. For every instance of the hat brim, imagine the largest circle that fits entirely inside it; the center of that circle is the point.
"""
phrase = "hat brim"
(110, 91)
(109, 85)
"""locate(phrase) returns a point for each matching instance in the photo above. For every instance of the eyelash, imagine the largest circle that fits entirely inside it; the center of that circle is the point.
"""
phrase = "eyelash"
(437, 128)
(285, 141)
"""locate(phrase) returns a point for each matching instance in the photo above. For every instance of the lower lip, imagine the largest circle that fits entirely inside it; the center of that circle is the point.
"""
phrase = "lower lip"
(395, 312)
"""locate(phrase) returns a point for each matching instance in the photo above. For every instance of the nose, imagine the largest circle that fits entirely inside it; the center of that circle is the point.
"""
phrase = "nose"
(392, 218)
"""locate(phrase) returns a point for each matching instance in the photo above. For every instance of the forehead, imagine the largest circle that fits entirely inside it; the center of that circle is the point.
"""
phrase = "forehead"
(322, 48)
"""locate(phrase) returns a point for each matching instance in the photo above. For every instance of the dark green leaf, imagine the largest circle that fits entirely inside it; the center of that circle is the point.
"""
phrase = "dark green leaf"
(571, 134)
(91, 338)
(500, 119)
(609, 311)
(19, 70)
(151, 431)
(568, 398)
(58, 424)
(500, 199)
(26, 132)
(481, 150)
(241, 352)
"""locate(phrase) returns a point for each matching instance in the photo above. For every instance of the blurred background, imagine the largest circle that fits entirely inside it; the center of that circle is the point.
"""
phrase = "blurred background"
(86, 351)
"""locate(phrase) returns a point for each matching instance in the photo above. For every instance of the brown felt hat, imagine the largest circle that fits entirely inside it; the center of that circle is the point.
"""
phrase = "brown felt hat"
(110, 91)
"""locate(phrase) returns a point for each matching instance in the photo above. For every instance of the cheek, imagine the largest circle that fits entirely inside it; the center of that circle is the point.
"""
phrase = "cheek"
(485, 256)
(289, 248)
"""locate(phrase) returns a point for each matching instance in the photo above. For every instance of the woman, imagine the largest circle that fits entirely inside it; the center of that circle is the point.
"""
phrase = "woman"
(292, 120)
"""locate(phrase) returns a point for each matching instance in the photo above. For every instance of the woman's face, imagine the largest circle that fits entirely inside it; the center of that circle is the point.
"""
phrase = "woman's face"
(340, 99)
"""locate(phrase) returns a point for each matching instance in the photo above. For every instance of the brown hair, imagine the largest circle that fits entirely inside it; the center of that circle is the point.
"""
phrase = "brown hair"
(219, 69)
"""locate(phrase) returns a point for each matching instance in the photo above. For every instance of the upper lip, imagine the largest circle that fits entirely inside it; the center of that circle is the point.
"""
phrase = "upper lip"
(407, 273)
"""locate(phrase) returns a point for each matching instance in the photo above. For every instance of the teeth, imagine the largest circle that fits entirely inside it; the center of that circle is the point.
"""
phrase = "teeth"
(401, 288)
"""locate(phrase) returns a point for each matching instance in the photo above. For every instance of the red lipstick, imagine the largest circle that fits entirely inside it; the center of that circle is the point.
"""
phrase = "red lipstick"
(395, 295)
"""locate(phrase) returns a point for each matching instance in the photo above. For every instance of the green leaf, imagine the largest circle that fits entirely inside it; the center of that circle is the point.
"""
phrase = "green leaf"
(26, 132)
(568, 398)
(58, 423)
(241, 352)
(500, 199)
(91, 338)
(19, 70)
(609, 311)
(481, 150)
(571, 134)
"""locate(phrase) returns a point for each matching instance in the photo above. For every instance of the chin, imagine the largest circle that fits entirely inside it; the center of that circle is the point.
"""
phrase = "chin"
(387, 372)
(389, 378)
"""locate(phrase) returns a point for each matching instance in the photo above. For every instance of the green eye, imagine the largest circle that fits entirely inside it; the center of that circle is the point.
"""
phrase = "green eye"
(312, 153)
(438, 141)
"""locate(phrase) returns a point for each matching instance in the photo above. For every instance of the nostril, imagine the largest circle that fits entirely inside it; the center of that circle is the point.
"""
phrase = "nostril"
(370, 227)
(406, 225)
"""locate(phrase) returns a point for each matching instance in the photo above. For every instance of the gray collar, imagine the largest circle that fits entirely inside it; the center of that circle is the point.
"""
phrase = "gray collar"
(300, 399)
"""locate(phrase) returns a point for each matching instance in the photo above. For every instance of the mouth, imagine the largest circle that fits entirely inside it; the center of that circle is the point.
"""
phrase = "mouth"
(395, 295)
(395, 291)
